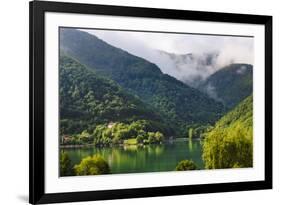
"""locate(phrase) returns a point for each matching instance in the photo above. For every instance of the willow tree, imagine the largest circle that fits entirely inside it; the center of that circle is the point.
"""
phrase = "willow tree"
(230, 143)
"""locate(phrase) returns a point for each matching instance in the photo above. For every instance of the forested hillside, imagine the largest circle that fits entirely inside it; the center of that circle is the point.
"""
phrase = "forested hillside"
(178, 104)
(87, 100)
(230, 143)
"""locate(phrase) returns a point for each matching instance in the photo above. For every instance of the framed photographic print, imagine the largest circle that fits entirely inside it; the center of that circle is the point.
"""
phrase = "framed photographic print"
(140, 102)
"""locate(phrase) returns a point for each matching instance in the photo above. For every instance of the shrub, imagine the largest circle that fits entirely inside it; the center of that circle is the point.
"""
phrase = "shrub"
(185, 165)
(65, 164)
(92, 165)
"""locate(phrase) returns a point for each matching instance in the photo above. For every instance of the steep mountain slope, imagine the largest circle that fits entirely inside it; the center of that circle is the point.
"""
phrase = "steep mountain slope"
(178, 103)
(230, 85)
(87, 100)
(230, 143)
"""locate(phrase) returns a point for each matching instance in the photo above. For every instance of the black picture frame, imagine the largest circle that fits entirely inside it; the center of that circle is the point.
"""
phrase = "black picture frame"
(37, 9)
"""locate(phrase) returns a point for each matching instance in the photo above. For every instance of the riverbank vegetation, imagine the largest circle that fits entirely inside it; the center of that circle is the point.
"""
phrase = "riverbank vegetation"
(137, 132)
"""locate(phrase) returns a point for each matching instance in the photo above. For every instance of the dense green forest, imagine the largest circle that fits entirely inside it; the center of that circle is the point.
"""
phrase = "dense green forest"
(87, 100)
(178, 104)
(230, 85)
(136, 133)
(230, 143)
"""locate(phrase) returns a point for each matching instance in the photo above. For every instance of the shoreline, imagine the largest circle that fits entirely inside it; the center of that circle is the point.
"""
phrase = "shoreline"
(120, 145)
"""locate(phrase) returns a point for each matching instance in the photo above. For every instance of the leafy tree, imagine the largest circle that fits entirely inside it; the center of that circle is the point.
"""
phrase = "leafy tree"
(151, 137)
(230, 143)
(119, 132)
(159, 137)
(186, 165)
(141, 136)
(65, 164)
(140, 139)
(155, 137)
(92, 165)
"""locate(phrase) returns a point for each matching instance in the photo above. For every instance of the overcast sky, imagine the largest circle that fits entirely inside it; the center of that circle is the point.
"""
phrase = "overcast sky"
(144, 44)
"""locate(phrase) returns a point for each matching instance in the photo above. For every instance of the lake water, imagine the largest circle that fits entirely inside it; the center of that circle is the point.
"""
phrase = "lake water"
(148, 158)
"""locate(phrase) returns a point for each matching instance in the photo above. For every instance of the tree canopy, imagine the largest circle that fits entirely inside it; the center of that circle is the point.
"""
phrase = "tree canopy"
(92, 165)
(65, 165)
(185, 165)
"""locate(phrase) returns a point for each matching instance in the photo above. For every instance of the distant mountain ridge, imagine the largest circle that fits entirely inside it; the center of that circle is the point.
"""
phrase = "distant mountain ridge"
(175, 101)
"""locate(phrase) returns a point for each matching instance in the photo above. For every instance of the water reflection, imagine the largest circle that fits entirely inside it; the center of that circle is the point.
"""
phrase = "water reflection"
(148, 158)
(190, 144)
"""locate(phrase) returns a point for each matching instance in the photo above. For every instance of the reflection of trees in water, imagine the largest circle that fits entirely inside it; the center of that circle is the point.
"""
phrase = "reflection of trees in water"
(159, 150)
(190, 145)
(146, 158)
(127, 158)
(130, 148)
(193, 146)
(135, 157)
(155, 150)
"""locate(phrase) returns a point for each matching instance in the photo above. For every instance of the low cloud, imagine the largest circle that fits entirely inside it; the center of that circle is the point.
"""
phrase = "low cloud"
(211, 90)
(241, 70)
